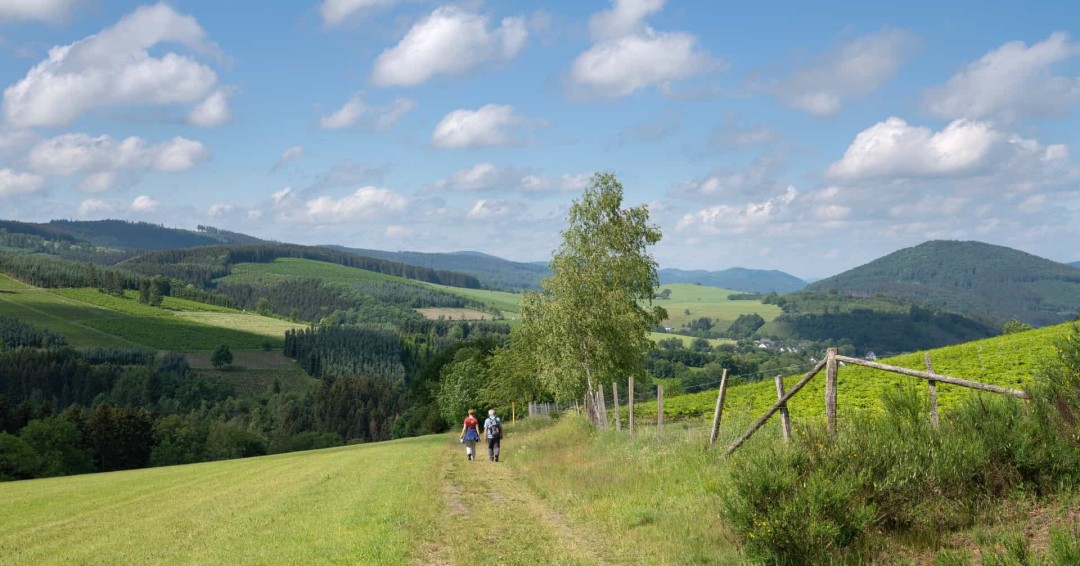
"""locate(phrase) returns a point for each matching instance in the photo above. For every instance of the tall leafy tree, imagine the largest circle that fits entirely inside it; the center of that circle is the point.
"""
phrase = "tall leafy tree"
(590, 324)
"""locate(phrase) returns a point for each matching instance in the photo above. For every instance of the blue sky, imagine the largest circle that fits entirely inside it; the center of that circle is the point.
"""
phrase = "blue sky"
(764, 135)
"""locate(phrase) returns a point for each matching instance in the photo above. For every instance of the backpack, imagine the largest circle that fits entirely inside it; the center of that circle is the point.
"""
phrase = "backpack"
(496, 428)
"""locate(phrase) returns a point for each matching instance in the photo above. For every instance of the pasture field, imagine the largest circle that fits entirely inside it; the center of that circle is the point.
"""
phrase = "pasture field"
(455, 314)
(242, 321)
(508, 303)
(712, 302)
(364, 504)
(1009, 361)
(559, 496)
(286, 267)
(687, 340)
(88, 318)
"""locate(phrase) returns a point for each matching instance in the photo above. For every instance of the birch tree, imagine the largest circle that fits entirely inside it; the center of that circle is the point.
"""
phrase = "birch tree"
(589, 326)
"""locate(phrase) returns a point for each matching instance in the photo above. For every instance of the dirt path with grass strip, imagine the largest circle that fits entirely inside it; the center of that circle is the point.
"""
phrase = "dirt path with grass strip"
(488, 515)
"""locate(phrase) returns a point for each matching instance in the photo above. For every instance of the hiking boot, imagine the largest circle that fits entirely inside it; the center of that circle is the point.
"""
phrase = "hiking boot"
(496, 458)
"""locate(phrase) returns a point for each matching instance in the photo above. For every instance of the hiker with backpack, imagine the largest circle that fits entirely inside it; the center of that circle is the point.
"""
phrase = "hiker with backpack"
(493, 427)
(470, 434)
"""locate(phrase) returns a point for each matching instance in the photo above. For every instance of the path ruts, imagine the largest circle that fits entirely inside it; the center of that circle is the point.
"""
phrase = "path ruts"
(488, 516)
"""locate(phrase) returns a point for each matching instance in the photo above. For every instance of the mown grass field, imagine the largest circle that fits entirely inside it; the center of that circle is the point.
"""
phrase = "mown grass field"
(687, 340)
(88, 318)
(559, 496)
(508, 303)
(254, 372)
(1010, 361)
(455, 314)
(352, 505)
(712, 302)
(295, 267)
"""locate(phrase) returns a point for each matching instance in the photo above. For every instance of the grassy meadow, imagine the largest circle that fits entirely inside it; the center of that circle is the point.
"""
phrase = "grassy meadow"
(88, 318)
(712, 302)
(285, 267)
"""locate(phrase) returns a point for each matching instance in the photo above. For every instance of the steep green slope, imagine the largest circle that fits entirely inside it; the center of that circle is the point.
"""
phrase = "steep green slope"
(737, 278)
(1009, 361)
(970, 278)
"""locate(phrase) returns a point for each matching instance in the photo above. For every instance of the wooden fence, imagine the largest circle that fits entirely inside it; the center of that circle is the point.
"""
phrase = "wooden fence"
(831, 365)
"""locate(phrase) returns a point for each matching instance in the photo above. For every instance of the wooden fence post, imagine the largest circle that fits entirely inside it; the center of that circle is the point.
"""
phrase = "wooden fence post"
(603, 407)
(615, 396)
(830, 390)
(718, 412)
(798, 386)
(630, 403)
(933, 392)
(785, 421)
(659, 411)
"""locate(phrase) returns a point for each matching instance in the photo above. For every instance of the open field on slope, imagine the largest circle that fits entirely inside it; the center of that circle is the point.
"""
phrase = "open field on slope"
(508, 303)
(295, 267)
(1009, 361)
(712, 302)
(411, 501)
(88, 318)
(455, 314)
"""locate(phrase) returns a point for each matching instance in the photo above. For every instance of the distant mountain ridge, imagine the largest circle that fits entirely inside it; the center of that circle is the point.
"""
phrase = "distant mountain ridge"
(126, 235)
(971, 278)
(736, 278)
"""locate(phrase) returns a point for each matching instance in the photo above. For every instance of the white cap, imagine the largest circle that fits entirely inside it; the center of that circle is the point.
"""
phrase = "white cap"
(491, 412)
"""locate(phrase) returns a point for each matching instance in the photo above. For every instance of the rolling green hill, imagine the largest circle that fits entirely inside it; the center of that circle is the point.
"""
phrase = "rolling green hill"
(737, 278)
(970, 278)
(123, 234)
(88, 318)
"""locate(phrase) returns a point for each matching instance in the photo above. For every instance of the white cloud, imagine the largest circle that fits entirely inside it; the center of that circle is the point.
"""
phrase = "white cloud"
(896, 150)
(143, 203)
(365, 204)
(103, 157)
(450, 41)
(114, 67)
(492, 209)
(737, 219)
(1011, 82)
(626, 17)
(40, 10)
(356, 111)
(759, 177)
(291, 154)
(93, 206)
(219, 210)
(489, 125)
(853, 70)
(488, 176)
(396, 231)
(15, 183)
(211, 112)
(628, 55)
(337, 12)
(1033, 204)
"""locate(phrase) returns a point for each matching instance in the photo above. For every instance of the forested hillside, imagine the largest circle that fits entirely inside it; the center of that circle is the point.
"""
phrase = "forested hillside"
(970, 278)
(491, 271)
(737, 278)
(882, 325)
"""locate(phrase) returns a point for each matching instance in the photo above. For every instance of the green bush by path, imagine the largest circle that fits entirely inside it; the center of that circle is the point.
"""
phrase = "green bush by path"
(893, 474)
